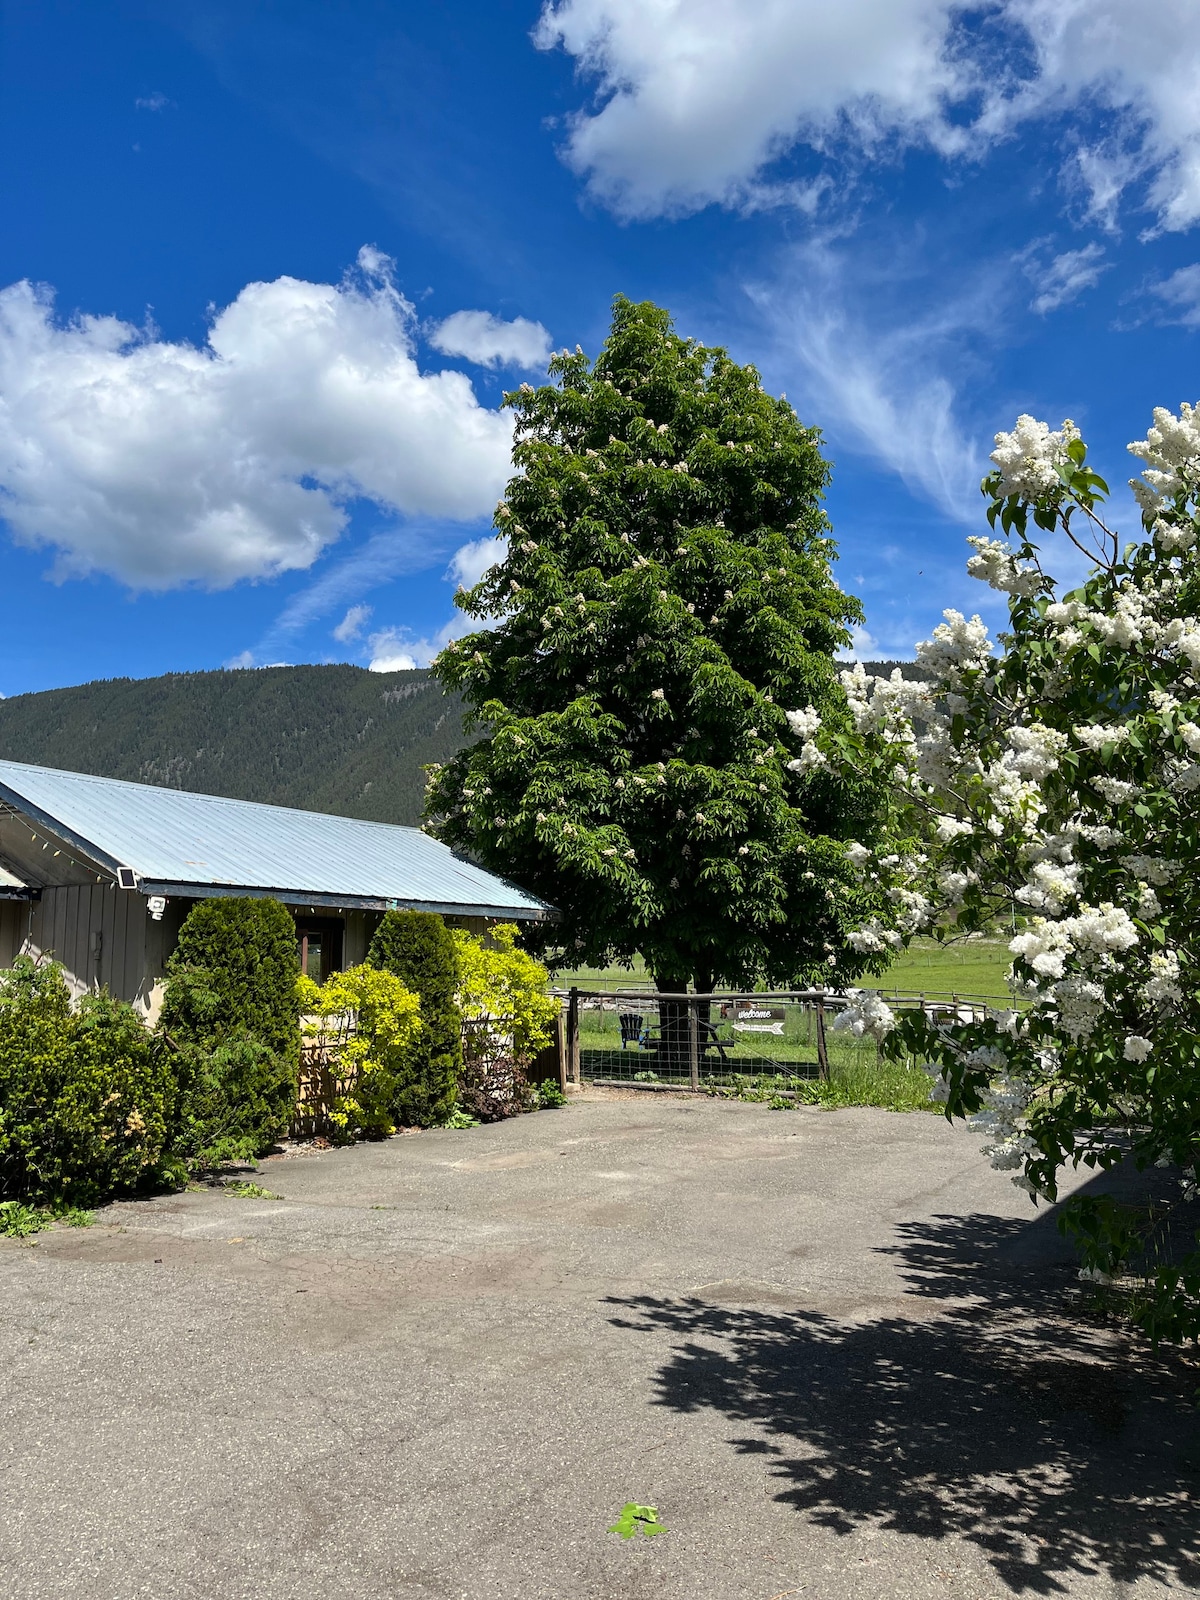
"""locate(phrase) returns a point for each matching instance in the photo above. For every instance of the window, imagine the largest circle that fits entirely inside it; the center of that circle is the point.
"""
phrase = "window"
(321, 941)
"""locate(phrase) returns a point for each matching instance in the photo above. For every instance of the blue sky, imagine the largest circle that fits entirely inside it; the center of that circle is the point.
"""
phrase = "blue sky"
(267, 267)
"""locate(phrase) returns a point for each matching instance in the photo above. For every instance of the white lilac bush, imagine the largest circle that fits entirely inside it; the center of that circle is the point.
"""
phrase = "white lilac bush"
(1058, 778)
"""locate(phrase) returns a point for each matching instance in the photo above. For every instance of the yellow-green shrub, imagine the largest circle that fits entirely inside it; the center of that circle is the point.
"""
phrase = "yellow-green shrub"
(364, 1021)
(499, 980)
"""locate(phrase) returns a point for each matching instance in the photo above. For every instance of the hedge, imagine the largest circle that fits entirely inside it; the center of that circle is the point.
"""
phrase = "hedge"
(419, 949)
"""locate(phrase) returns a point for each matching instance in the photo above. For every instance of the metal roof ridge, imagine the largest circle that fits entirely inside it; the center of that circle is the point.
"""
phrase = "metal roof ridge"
(217, 799)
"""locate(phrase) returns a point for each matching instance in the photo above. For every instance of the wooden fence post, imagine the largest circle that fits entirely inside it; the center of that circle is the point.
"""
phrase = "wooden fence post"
(560, 1051)
(694, 1042)
(573, 1035)
(822, 1056)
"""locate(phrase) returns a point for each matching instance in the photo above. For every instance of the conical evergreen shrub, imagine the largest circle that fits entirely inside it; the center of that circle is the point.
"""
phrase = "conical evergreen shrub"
(419, 948)
(231, 1018)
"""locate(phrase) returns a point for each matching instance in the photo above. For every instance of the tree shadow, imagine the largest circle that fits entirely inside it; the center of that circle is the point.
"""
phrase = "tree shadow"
(1060, 1447)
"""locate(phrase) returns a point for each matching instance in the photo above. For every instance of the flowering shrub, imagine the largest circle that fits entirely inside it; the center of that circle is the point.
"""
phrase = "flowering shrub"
(362, 1025)
(507, 1017)
(1059, 779)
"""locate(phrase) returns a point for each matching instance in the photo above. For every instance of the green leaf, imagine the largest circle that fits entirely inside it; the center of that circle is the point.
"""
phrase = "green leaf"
(636, 1518)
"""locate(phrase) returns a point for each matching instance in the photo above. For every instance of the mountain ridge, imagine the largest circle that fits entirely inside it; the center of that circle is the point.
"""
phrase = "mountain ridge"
(333, 738)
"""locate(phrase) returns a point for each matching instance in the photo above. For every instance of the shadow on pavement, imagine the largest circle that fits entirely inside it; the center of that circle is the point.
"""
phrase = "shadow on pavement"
(1060, 1448)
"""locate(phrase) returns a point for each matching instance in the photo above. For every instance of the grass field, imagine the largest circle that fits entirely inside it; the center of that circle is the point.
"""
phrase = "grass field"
(967, 967)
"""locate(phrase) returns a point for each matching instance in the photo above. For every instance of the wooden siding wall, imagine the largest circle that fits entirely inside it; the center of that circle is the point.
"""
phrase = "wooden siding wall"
(102, 937)
(14, 924)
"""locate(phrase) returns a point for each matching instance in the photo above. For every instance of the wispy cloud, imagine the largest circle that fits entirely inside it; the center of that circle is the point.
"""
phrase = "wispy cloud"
(1065, 277)
(1180, 295)
(388, 554)
(352, 624)
(880, 381)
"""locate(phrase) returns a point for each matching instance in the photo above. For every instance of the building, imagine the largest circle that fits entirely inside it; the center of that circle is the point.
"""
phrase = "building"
(100, 874)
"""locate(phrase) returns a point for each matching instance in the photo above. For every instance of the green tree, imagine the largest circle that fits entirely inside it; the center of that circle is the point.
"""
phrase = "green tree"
(231, 1017)
(665, 601)
(419, 949)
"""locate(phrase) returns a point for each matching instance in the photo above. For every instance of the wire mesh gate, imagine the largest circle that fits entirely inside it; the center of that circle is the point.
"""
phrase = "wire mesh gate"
(691, 1040)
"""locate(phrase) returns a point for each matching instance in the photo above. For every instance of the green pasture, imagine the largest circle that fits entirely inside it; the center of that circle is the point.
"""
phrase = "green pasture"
(966, 966)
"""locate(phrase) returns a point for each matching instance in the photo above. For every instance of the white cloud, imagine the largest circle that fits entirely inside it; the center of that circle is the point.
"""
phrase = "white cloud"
(700, 94)
(1066, 277)
(1181, 294)
(389, 652)
(696, 97)
(163, 463)
(397, 650)
(352, 624)
(157, 101)
(486, 340)
(862, 647)
(471, 561)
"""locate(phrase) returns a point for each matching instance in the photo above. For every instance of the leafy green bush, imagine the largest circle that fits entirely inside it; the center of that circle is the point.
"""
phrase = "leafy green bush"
(86, 1097)
(419, 949)
(231, 1022)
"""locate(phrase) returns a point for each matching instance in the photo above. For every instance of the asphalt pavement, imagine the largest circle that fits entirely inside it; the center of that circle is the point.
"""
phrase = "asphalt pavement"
(843, 1357)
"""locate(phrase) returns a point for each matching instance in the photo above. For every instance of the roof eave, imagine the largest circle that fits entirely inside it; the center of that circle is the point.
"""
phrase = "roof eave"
(349, 902)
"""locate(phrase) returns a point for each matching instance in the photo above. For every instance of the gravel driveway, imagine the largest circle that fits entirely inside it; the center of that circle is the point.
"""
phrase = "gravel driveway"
(834, 1349)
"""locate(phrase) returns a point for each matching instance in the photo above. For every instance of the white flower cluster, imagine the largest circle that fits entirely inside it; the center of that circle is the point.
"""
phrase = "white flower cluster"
(956, 646)
(1162, 986)
(1030, 456)
(804, 723)
(948, 828)
(1171, 450)
(1080, 1004)
(1172, 537)
(808, 760)
(1095, 735)
(993, 563)
(1002, 1122)
(1036, 750)
(1050, 885)
(866, 1014)
(873, 938)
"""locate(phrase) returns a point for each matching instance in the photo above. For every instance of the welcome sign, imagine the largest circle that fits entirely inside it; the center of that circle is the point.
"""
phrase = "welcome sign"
(749, 1017)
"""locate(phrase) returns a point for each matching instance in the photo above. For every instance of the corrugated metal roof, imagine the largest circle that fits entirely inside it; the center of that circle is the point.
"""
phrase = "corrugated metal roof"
(9, 880)
(172, 838)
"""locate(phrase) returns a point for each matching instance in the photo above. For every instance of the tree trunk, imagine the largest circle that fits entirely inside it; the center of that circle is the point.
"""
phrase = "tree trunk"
(703, 981)
(673, 1032)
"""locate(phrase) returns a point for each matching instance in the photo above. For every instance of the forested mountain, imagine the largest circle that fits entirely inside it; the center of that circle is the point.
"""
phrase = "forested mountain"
(335, 738)
(331, 738)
